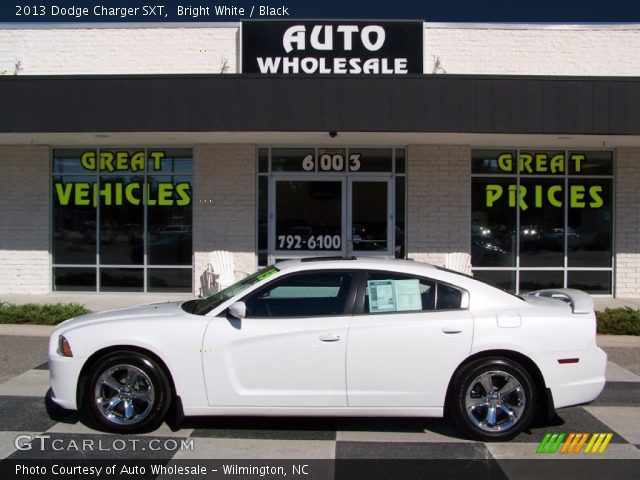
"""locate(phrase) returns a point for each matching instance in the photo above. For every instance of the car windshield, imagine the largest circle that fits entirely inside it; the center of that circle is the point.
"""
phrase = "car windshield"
(206, 305)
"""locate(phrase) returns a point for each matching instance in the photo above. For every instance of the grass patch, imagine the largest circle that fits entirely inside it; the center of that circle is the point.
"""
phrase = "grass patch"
(30, 313)
(619, 321)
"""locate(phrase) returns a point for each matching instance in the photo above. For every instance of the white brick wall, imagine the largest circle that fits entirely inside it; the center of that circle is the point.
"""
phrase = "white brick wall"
(124, 50)
(627, 223)
(224, 205)
(24, 220)
(439, 201)
(533, 50)
(465, 49)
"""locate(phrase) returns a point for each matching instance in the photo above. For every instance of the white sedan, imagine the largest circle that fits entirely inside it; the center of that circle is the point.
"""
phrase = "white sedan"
(359, 337)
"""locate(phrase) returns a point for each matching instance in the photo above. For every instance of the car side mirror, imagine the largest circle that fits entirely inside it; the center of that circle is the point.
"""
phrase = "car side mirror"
(238, 310)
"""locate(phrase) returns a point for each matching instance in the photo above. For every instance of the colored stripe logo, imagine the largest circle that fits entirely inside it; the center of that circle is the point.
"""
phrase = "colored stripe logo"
(574, 443)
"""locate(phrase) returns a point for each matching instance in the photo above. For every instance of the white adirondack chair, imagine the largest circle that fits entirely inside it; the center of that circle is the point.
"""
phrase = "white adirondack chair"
(220, 272)
(459, 262)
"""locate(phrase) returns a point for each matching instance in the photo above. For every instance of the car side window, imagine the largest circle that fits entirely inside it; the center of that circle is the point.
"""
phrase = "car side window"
(390, 292)
(306, 294)
(448, 298)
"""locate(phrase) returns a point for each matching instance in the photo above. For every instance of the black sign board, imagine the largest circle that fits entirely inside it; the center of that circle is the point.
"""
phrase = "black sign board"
(332, 47)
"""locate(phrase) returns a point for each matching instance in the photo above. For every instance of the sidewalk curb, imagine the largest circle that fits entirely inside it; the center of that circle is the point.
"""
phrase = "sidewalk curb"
(26, 330)
(622, 341)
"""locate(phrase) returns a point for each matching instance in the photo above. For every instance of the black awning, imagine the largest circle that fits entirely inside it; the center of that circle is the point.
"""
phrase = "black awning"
(415, 103)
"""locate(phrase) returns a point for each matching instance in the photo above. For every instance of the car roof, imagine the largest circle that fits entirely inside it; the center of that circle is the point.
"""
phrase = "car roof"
(352, 262)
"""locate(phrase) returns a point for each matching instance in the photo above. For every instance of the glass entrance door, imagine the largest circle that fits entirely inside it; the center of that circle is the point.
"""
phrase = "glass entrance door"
(330, 216)
(369, 217)
(307, 217)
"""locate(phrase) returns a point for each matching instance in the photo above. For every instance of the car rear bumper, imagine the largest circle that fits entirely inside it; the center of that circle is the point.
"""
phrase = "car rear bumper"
(578, 383)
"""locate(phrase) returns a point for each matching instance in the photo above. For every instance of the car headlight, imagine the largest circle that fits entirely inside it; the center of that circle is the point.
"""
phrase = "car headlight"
(64, 348)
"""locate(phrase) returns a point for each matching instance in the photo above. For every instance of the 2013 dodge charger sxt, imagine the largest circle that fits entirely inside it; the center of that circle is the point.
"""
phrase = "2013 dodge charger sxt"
(359, 337)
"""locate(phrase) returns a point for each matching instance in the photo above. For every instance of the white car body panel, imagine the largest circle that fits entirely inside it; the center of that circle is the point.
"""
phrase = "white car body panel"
(276, 362)
(405, 360)
(383, 364)
(162, 329)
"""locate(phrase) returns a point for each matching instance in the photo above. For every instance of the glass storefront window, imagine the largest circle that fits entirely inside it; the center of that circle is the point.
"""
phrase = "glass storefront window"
(504, 279)
(293, 160)
(371, 160)
(493, 226)
(543, 219)
(121, 223)
(589, 229)
(537, 280)
(595, 282)
(400, 220)
(119, 213)
(74, 220)
(541, 222)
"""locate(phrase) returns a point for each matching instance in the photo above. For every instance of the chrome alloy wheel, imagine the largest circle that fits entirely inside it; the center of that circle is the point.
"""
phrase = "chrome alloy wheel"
(495, 401)
(124, 394)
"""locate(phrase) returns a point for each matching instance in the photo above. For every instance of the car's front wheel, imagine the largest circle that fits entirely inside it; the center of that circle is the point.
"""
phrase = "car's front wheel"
(493, 399)
(127, 392)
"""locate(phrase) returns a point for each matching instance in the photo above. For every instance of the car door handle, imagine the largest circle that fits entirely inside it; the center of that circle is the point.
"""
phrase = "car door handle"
(329, 337)
(449, 330)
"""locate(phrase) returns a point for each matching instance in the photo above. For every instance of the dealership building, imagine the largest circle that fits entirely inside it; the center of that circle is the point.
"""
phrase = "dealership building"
(129, 153)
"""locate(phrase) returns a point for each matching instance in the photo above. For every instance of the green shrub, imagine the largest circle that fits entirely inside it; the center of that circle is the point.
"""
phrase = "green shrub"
(50, 314)
(619, 321)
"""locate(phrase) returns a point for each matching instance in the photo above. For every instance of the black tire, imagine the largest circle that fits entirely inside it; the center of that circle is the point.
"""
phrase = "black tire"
(127, 392)
(470, 404)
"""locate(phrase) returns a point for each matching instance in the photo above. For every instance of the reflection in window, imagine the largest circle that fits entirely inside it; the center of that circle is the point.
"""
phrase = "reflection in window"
(121, 280)
(121, 222)
(504, 279)
(541, 223)
(169, 280)
(538, 209)
(590, 223)
(74, 220)
(301, 295)
(400, 223)
(309, 215)
(100, 219)
(493, 229)
(74, 279)
(594, 282)
(169, 222)
(369, 215)
(538, 280)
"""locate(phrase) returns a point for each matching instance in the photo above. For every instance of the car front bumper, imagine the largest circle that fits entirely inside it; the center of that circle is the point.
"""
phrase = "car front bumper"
(64, 373)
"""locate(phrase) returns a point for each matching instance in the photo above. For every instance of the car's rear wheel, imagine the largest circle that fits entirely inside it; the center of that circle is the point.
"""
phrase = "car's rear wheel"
(493, 399)
(127, 392)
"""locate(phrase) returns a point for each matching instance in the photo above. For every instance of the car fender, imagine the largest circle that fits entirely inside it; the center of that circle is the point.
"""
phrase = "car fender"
(180, 349)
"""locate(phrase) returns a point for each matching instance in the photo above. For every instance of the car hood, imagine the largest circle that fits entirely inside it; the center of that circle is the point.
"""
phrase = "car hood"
(151, 311)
